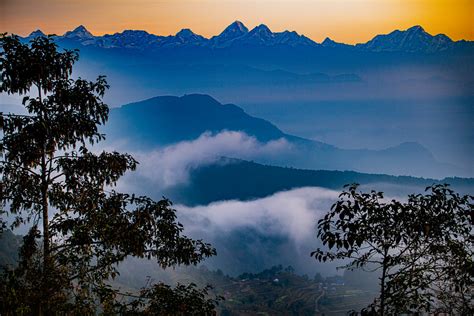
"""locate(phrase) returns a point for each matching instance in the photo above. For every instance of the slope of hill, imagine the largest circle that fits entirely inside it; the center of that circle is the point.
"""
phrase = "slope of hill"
(163, 121)
(167, 120)
(232, 179)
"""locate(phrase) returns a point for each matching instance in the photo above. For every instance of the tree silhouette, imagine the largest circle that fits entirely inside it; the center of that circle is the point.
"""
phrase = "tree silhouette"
(422, 248)
(80, 228)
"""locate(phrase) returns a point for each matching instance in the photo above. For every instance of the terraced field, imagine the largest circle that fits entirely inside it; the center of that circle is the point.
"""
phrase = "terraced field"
(274, 291)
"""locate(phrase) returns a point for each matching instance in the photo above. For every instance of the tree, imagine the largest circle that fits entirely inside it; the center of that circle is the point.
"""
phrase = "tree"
(80, 228)
(422, 248)
(318, 278)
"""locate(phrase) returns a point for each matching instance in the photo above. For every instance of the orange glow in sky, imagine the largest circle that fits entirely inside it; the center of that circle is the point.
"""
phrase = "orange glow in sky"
(349, 21)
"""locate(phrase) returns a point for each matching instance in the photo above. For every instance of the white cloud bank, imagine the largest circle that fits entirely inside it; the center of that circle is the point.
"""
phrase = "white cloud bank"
(291, 214)
(171, 165)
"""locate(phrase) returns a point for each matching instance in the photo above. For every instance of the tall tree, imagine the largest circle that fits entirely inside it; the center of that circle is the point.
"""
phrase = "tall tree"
(80, 227)
(422, 249)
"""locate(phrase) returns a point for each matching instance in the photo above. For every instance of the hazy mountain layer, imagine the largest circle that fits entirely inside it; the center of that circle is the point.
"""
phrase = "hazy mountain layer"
(163, 121)
(405, 86)
(231, 179)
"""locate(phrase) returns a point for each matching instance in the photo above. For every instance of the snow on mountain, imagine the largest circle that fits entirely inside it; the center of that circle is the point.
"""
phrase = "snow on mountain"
(261, 34)
(79, 32)
(184, 37)
(293, 39)
(414, 39)
(82, 35)
(130, 39)
(329, 43)
(235, 30)
(36, 33)
(238, 34)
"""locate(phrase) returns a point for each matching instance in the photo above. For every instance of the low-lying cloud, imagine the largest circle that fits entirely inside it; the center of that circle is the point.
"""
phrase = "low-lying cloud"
(253, 235)
(171, 165)
(291, 214)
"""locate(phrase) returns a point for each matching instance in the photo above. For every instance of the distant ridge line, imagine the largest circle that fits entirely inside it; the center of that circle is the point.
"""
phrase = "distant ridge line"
(413, 39)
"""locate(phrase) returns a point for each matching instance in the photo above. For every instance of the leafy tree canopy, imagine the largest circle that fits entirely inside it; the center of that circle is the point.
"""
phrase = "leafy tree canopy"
(80, 227)
(422, 247)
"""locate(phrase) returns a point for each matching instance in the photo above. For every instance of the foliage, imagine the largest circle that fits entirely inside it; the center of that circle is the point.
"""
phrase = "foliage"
(9, 245)
(161, 299)
(423, 247)
(265, 274)
(80, 227)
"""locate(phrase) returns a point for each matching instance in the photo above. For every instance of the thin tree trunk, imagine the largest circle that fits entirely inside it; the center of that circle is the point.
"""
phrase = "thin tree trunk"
(45, 211)
(44, 194)
(44, 198)
(46, 245)
(382, 285)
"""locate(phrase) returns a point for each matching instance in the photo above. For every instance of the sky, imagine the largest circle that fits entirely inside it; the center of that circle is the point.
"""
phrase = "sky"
(349, 21)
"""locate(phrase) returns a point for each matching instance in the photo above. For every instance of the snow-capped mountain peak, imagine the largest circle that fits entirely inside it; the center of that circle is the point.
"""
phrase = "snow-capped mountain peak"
(261, 29)
(236, 29)
(329, 43)
(36, 33)
(79, 32)
(416, 29)
(260, 35)
(411, 40)
(136, 39)
(186, 33)
(414, 39)
(134, 33)
(184, 37)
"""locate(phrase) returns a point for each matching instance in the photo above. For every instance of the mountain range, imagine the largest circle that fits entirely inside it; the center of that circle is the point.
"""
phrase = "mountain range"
(414, 39)
(163, 121)
(397, 88)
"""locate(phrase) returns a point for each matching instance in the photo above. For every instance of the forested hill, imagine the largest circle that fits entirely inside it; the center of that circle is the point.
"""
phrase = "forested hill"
(166, 120)
(244, 180)
(9, 244)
